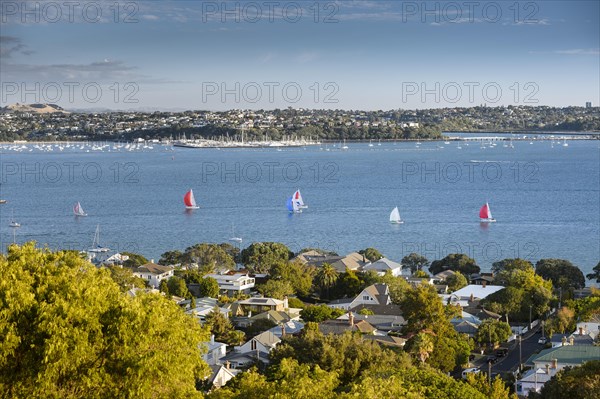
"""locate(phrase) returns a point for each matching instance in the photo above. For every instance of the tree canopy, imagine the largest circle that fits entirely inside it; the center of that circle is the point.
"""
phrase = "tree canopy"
(561, 272)
(456, 262)
(595, 275)
(69, 332)
(209, 257)
(414, 262)
(371, 254)
(260, 257)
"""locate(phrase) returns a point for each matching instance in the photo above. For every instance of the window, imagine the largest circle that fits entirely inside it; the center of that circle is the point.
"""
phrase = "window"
(253, 345)
(366, 298)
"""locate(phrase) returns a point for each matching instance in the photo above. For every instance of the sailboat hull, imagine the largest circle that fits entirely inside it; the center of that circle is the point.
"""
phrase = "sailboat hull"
(487, 220)
(398, 222)
(192, 207)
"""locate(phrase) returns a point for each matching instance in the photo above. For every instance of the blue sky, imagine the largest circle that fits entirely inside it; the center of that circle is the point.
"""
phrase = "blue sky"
(356, 55)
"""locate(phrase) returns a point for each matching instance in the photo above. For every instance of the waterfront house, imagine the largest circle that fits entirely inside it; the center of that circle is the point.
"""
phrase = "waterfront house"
(233, 284)
(153, 274)
(384, 265)
(375, 294)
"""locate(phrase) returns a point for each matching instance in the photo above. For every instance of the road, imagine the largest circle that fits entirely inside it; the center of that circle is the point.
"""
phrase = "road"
(510, 362)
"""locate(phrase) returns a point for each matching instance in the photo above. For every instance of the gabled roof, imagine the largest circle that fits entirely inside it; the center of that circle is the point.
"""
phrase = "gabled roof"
(478, 291)
(153, 268)
(383, 264)
(267, 338)
(261, 302)
(341, 326)
(569, 354)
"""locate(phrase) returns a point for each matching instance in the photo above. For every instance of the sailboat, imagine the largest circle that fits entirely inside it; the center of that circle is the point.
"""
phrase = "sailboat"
(78, 210)
(344, 147)
(565, 144)
(299, 201)
(190, 201)
(96, 247)
(13, 223)
(370, 143)
(395, 216)
(292, 206)
(485, 214)
(234, 238)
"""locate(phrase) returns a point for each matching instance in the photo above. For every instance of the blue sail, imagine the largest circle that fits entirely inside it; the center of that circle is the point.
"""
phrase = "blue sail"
(290, 205)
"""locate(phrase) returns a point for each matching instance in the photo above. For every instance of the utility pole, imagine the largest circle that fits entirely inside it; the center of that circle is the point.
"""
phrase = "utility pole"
(490, 372)
(520, 353)
(530, 306)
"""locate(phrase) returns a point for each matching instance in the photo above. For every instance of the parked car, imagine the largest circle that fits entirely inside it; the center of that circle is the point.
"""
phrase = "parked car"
(501, 352)
(542, 341)
(491, 359)
(466, 372)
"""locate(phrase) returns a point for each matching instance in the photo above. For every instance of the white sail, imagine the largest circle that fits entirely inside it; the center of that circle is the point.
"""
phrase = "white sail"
(395, 216)
(298, 200)
(78, 210)
(96, 247)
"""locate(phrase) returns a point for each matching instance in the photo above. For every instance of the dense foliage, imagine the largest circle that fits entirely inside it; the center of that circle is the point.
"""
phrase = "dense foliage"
(69, 332)
(456, 262)
(581, 382)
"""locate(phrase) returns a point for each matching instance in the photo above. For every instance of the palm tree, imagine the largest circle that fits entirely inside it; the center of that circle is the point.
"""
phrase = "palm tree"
(326, 277)
(422, 346)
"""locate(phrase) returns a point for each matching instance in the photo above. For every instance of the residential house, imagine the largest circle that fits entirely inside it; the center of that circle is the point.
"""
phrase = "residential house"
(549, 361)
(221, 374)
(234, 283)
(382, 322)
(259, 305)
(482, 279)
(375, 294)
(384, 265)
(292, 327)
(215, 351)
(153, 273)
(352, 261)
(339, 327)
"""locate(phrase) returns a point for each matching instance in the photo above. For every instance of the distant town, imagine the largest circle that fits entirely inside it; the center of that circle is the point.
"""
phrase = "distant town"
(49, 122)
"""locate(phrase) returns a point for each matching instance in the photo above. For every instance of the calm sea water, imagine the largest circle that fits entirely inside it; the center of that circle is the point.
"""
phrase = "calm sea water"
(546, 199)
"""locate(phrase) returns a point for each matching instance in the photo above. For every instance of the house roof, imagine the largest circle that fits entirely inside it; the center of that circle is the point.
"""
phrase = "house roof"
(569, 354)
(341, 326)
(380, 310)
(267, 338)
(291, 327)
(387, 340)
(220, 369)
(274, 315)
(444, 274)
(153, 268)
(478, 291)
(261, 302)
(383, 264)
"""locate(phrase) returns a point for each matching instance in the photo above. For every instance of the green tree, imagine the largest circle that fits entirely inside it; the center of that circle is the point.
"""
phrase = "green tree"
(277, 289)
(325, 278)
(220, 326)
(371, 254)
(69, 332)
(210, 258)
(260, 257)
(420, 345)
(164, 287)
(209, 287)
(319, 313)
(492, 331)
(574, 383)
(134, 260)
(497, 390)
(563, 321)
(125, 279)
(259, 326)
(347, 285)
(456, 262)
(296, 303)
(298, 275)
(595, 275)
(456, 281)
(397, 286)
(178, 287)
(507, 265)
(562, 273)
(421, 274)
(171, 258)
(414, 262)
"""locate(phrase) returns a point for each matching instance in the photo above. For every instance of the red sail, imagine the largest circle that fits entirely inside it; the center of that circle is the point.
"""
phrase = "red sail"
(297, 194)
(187, 199)
(484, 212)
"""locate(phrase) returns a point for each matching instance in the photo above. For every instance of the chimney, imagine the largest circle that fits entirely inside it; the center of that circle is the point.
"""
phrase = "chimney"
(548, 369)
(472, 297)
(564, 341)
(483, 283)
(351, 319)
(555, 363)
(212, 339)
(282, 330)
(227, 364)
(151, 260)
(286, 306)
(580, 330)
(572, 340)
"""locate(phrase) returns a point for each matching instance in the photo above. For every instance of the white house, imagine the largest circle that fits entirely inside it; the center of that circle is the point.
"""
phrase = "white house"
(232, 284)
(215, 351)
(153, 273)
(384, 265)
(263, 342)
(376, 294)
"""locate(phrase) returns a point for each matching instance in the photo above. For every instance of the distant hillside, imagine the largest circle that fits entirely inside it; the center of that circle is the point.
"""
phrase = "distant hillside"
(34, 108)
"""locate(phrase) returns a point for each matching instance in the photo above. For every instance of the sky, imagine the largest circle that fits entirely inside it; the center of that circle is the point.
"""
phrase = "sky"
(368, 55)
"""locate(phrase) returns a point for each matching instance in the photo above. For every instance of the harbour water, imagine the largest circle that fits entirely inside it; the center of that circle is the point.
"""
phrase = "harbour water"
(544, 195)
